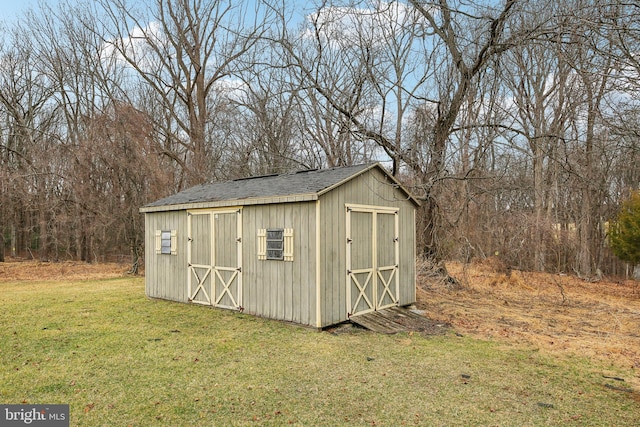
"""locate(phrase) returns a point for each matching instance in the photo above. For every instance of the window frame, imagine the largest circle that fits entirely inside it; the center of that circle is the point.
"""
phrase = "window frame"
(286, 246)
(166, 242)
(275, 253)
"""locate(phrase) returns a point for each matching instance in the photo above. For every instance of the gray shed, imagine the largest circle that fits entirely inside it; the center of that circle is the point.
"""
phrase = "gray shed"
(312, 247)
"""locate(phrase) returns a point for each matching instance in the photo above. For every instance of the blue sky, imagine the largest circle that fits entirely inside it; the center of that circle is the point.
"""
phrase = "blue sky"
(12, 9)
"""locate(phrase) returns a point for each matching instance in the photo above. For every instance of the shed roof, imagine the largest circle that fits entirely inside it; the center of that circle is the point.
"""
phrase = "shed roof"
(289, 187)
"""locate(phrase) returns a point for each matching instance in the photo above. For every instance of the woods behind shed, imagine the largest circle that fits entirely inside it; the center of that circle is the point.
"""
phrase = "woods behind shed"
(312, 247)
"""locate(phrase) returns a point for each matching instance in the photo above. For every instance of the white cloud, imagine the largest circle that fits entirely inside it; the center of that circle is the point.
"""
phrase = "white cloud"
(136, 48)
(232, 89)
(373, 23)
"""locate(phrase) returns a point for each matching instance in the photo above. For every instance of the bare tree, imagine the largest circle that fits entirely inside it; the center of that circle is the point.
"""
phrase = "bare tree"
(539, 78)
(29, 178)
(182, 50)
(373, 74)
(331, 61)
(69, 54)
(122, 168)
(467, 61)
(591, 57)
(265, 106)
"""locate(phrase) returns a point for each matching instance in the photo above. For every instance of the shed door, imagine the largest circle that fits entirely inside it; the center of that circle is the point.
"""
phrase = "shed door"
(372, 258)
(214, 257)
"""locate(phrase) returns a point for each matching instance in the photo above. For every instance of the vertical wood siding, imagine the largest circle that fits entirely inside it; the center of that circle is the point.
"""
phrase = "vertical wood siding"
(165, 275)
(373, 189)
(282, 290)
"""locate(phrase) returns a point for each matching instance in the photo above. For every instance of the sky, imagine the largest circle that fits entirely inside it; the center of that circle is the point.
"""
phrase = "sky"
(10, 10)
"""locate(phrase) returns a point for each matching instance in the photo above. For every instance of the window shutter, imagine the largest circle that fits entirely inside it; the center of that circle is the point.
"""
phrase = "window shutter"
(288, 244)
(262, 244)
(174, 242)
(158, 242)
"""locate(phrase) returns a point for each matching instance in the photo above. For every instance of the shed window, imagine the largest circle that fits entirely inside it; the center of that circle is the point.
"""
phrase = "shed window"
(166, 242)
(275, 244)
(165, 247)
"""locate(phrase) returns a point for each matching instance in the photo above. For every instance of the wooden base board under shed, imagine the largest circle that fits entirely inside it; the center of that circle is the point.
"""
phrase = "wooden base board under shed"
(397, 319)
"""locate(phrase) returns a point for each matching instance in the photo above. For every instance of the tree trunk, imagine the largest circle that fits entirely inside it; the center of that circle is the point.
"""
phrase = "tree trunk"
(539, 228)
(13, 240)
(44, 235)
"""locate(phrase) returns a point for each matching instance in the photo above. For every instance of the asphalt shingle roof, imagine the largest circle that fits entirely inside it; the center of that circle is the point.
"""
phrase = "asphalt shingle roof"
(302, 182)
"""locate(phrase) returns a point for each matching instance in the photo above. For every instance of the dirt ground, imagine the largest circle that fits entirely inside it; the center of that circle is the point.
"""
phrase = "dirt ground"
(553, 313)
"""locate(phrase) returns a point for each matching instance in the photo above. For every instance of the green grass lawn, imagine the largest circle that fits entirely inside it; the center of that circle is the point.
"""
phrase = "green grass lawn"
(121, 359)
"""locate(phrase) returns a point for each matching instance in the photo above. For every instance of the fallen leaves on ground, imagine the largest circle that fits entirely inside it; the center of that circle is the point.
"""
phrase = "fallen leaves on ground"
(557, 313)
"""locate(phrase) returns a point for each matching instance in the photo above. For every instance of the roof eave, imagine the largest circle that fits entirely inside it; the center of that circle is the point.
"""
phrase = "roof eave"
(292, 198)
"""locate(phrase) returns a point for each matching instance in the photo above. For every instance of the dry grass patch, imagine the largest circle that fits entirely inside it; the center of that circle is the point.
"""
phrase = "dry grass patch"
(21, 270)
(559, 314)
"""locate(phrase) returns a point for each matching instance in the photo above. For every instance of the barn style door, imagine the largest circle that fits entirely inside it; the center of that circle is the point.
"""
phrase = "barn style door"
(214, 257)
(372, 258)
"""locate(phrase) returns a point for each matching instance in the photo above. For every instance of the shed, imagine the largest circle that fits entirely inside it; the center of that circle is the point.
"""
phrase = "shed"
(312, 247)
